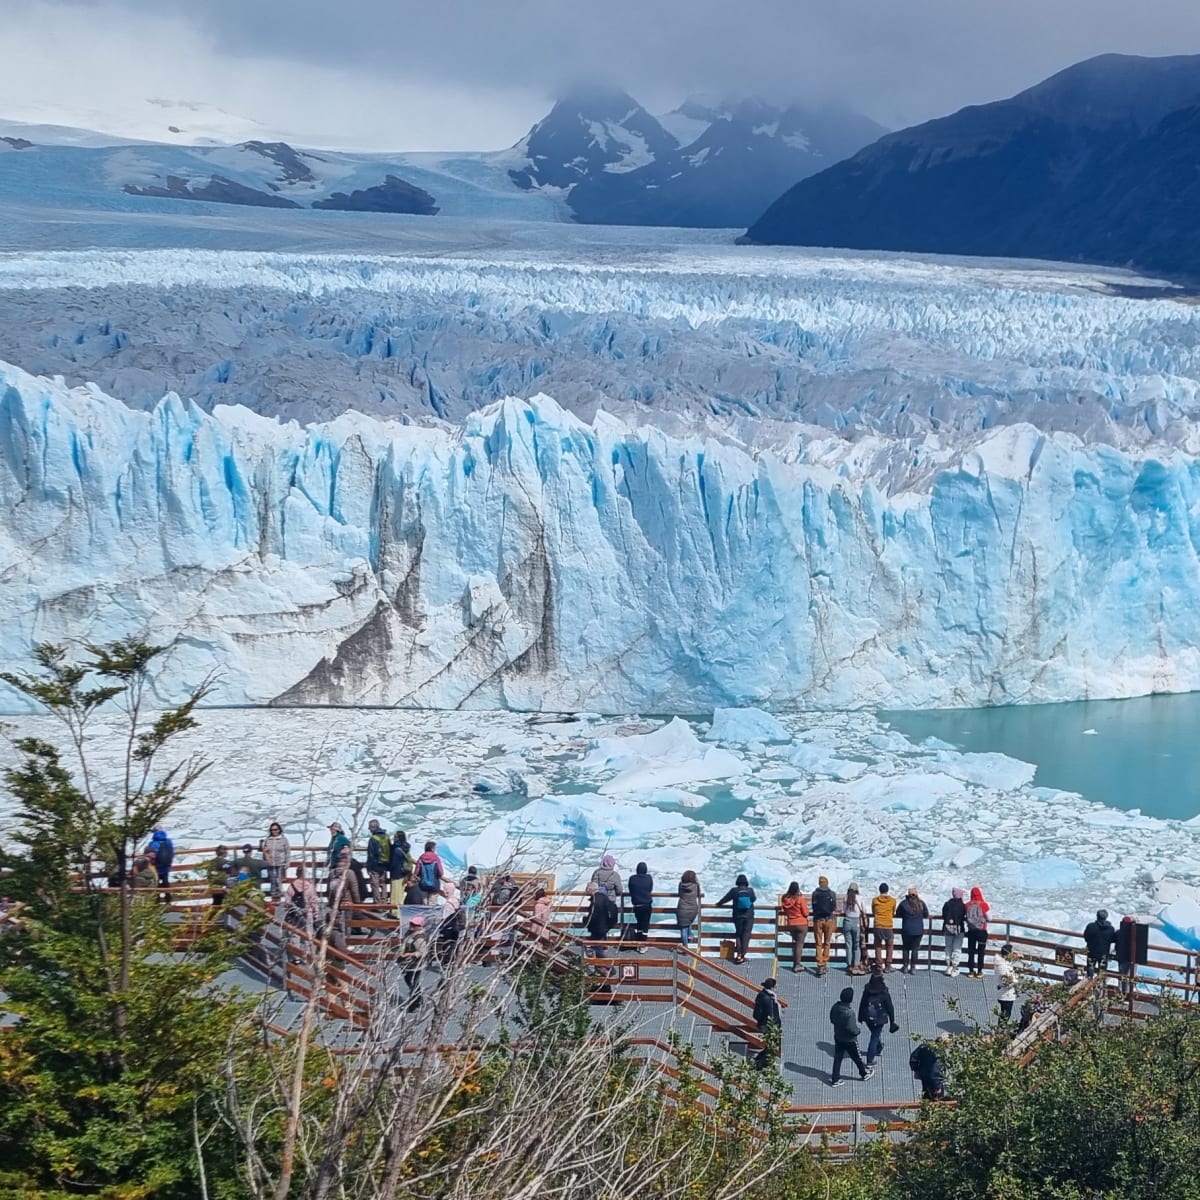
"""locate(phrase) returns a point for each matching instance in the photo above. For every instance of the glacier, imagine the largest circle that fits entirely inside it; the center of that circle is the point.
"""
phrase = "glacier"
(531, 559)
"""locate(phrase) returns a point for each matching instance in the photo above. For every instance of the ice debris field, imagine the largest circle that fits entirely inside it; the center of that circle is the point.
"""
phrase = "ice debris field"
(780, 797)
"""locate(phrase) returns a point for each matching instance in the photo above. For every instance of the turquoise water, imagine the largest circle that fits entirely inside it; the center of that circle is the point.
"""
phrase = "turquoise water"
(1144, 753)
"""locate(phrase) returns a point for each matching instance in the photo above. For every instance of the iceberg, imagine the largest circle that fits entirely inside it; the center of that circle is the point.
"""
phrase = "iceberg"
(742, 725)
(534, 560)
(1180, 921)
(587, 819)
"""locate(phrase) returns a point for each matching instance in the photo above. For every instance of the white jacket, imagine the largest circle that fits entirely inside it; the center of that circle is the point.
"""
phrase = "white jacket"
(1006, 978)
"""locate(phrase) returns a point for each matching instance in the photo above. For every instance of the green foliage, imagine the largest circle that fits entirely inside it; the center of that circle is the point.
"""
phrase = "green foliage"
(117, 1034)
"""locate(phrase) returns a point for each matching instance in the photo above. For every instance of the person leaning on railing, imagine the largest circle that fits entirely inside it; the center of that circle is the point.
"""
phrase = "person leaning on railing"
(793, 919)
(687, 907)
(824, 908)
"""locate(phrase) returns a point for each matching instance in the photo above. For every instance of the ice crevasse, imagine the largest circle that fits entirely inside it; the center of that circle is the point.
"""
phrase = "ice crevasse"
(532, 560)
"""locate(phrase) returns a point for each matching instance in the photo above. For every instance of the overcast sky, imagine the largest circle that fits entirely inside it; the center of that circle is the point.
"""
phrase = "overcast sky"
(474, 74)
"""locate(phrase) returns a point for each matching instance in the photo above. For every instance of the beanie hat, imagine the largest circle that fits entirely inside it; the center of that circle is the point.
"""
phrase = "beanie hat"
(1102, 914)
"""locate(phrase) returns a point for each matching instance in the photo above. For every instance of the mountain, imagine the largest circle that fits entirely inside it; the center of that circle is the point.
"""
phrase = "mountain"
(706, 164)
(1047, 173)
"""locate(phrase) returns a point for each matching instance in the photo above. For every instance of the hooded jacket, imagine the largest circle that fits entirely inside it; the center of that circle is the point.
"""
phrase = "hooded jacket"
(605, 876)
(400, 859)
(954, 916)
(337, 844)
(641, 889)
(824, 903)
(602, 915)
(163, 850)
(766, 1009)
(794, 909)
(876, 986)
(277, 850)
(1100, 937)
(977, 898)
(379, 851)
(845, 1023)
(913, 913)
(688, 908)
(430, 856)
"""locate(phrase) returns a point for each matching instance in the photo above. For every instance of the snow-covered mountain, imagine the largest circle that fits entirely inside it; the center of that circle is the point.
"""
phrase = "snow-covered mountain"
(705, 164)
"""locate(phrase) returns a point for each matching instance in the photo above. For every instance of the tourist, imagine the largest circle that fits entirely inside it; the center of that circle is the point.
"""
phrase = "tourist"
(541, 911)
(277, 854)
(249, 864)
(977, 932)
(145, 877)
(687, 907)
(768, 1020)
(641, 897)
(883, 917)
(219, 870)
(605, 876)
(913, 913)
(1100, 937)
(413, 896)
(823, 907)
(412, 950)
(504, 890)
(379, 859)
(1006, 981)
(954, 929)
(451, 900)
(161, 853)
(845, 1038)
(472, 888)
(338, 842)
(301, 908)
(602, 916)
(1126, 946)
(400, 867)
(877, 1012)
(430, 874)
(741, 900)
(926, 1066)
(854, 930)
(349, 891)
(449, 934)
(793, 910)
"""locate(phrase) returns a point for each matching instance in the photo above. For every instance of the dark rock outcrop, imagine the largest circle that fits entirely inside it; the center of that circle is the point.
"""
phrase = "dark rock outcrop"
(393, 195)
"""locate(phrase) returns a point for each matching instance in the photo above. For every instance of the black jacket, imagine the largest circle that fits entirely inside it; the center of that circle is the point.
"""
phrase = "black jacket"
(730, 898)
(641, 890)
(876, 987)
(602, 916)
(954, 915)
(766, 1009)
(823, 903)
(400, 860)
(845, 1026)
(923, 1062)
(1100, 937)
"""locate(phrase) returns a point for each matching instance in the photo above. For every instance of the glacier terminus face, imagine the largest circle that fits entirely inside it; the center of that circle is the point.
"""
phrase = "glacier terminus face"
(542, 472)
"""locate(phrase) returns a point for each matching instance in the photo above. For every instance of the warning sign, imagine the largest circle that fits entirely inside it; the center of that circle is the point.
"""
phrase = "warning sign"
(629, 972)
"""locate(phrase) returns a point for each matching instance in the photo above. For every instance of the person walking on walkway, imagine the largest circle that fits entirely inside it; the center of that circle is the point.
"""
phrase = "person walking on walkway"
(883, 916)
(379, 858)
(400, 867)
(768, 1020)
(412, 951)
(338, 842)
(741, 900)
(430, 874)
(877, 1012)
(913, 913)
(954, 928)
(301, 907)
(641, 898)
(687, 907)
(845, 1038)
(977, 932)
(161, 852)
(277, 854)
(793, 911)
(1099, 936)
(1006, 981)
(927, 1067)
(823, 906)
(854, 930)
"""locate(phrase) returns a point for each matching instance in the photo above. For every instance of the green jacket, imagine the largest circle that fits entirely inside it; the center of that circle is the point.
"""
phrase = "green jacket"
(339, 842)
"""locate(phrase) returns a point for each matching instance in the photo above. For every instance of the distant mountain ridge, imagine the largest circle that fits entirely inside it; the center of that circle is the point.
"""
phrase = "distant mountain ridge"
(706, 164)
(1098, 162)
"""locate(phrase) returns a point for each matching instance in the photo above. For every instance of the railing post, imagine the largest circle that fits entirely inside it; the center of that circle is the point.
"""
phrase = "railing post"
(857, 1127)
(675, 977)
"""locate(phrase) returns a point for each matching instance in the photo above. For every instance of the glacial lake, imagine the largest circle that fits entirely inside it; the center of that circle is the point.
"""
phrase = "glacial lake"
(1142, 753)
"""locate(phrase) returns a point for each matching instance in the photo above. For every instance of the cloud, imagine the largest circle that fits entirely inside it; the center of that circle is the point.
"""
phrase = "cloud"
(475, 73)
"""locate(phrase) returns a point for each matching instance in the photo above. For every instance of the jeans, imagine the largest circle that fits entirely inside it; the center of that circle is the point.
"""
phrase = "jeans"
(641, 916)
(976, 941)
(799, 935)
(874, 1043)
(685, 935)
(275, 881)
(741, 933)
(954, 943)
(853, 935)
(824, 927)
(910, 946)
(843, 1050)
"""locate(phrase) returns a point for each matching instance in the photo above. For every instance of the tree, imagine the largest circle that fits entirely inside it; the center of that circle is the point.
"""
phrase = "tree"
(117, 1038)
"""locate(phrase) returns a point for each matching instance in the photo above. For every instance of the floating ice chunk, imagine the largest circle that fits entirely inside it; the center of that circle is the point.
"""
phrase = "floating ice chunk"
(891, 742)
(1180, 921)
(347, 754)
(1091, 733)
(988, 770)
(671, 756)
(589, 819)
(744, 725)
(818, 760)
(669, 798)
(490, 847)
(904, 793)
(504, 777)
(936, 743)
(1042, 873)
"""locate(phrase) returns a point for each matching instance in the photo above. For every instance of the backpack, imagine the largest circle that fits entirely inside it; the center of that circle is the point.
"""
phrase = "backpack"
(427, 875)
(743, 902)
(294, 911)
(976, 917)
(876, 1011)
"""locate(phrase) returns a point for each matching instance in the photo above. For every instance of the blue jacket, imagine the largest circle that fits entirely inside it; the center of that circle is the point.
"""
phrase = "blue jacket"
(641, 889)
(913, 914)
(164, 850)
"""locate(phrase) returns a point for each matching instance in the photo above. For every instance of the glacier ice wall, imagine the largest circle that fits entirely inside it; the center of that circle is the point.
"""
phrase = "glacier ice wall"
(533, 560)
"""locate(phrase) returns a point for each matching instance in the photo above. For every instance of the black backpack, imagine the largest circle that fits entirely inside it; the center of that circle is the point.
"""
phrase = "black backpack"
(876, 1011)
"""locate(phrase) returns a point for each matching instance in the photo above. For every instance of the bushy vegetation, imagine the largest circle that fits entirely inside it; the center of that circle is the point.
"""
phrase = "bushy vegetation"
(127, 1072)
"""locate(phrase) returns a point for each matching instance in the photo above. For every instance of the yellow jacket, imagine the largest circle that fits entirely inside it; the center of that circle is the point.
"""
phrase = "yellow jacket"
(883, 909)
